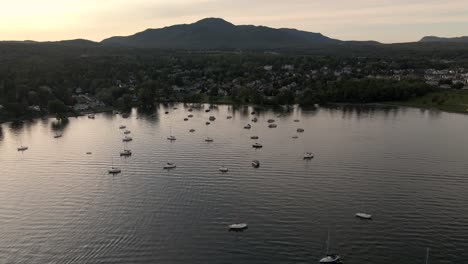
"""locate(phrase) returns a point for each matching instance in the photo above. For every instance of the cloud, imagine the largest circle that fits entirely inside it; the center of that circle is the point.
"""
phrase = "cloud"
(358, 19)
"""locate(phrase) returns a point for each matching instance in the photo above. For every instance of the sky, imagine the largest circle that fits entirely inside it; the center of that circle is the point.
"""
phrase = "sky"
(387, 21)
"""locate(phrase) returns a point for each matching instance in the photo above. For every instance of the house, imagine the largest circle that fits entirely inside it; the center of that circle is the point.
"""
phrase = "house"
(268, 67)
(35, 108)
(288, 67)
(1, 107)
(80, 107)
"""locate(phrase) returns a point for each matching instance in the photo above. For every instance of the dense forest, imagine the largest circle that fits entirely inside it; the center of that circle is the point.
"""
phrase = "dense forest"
(39, 78)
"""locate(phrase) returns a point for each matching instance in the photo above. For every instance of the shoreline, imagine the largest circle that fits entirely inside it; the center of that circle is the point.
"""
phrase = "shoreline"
(228, 102)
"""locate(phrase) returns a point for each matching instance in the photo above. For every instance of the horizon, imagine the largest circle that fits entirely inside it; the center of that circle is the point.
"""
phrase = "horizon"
(362, 20)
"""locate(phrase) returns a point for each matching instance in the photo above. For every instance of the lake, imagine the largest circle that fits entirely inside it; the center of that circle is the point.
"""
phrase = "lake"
(407, 167)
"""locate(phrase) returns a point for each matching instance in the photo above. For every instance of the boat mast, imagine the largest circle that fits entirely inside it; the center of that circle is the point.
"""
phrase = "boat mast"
(328, 241)
(427, 256)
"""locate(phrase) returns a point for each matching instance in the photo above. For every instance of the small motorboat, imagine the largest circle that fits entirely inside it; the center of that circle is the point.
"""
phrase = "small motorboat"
(125, 115)
(207, 123)
(330, 259)
(186, 119)
(58, 136)
(238, 227)
(89, 153)
(255, 163)
(114, 170)
(271, 121)
(171, 138)
(192, 130)
(296, 120)
(207, 110)
(22, 148)
(122, 127)
(229, 117)
(300, 130)
(308, 155)
(167, 112)
(253, 113)
(190, 116)
(91, 116)
(175, 108)
(208, 139)
(295, 136)
(248, 126)
(126, 152)
(363, 216)
(254, 137)
(169, 165)
(127, 139)
(272, 125)
(212, 118)
(223, 169)
(257, 145)
(254, 119)
(190, 109)
(126, 132)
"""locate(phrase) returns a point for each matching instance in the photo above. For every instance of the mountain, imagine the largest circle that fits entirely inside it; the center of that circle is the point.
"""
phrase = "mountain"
(216, 33)
(439, 39)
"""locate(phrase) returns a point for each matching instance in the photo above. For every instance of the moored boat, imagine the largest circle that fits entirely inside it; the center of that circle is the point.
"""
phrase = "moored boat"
(257, 145)
(238, 227)
(114, 170)
(22, 148)
(255, 163)
(126, 152)
(169, 165)
(127, 139)
(363, 216)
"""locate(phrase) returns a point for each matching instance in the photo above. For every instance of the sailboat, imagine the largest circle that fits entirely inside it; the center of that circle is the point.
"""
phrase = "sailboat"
(171, 137)
(126, 152)
(330, 258)
(114, 170)
(22, 147)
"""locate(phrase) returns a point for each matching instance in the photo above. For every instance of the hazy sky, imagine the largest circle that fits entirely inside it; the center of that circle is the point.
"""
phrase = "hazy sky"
(382, 20)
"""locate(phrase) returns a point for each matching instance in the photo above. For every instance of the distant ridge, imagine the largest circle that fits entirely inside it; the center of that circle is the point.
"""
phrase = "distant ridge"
(216, 33)
(463, 39)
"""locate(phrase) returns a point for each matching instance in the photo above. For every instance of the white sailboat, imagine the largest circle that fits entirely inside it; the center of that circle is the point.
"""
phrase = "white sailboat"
(330, 258)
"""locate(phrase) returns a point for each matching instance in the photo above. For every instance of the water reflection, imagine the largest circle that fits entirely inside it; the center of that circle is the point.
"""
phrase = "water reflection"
(54, 192)
(59, 125)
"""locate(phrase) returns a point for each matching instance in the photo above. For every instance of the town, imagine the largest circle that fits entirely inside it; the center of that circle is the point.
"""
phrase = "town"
(248, 79)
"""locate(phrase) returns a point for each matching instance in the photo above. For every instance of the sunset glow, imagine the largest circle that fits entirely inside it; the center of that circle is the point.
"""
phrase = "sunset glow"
(381, 20)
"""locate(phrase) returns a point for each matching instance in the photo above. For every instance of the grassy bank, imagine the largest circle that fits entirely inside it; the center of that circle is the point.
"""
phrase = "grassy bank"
(447, 100)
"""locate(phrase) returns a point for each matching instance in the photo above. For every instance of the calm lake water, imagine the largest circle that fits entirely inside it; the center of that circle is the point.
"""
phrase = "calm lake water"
(406, 167)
